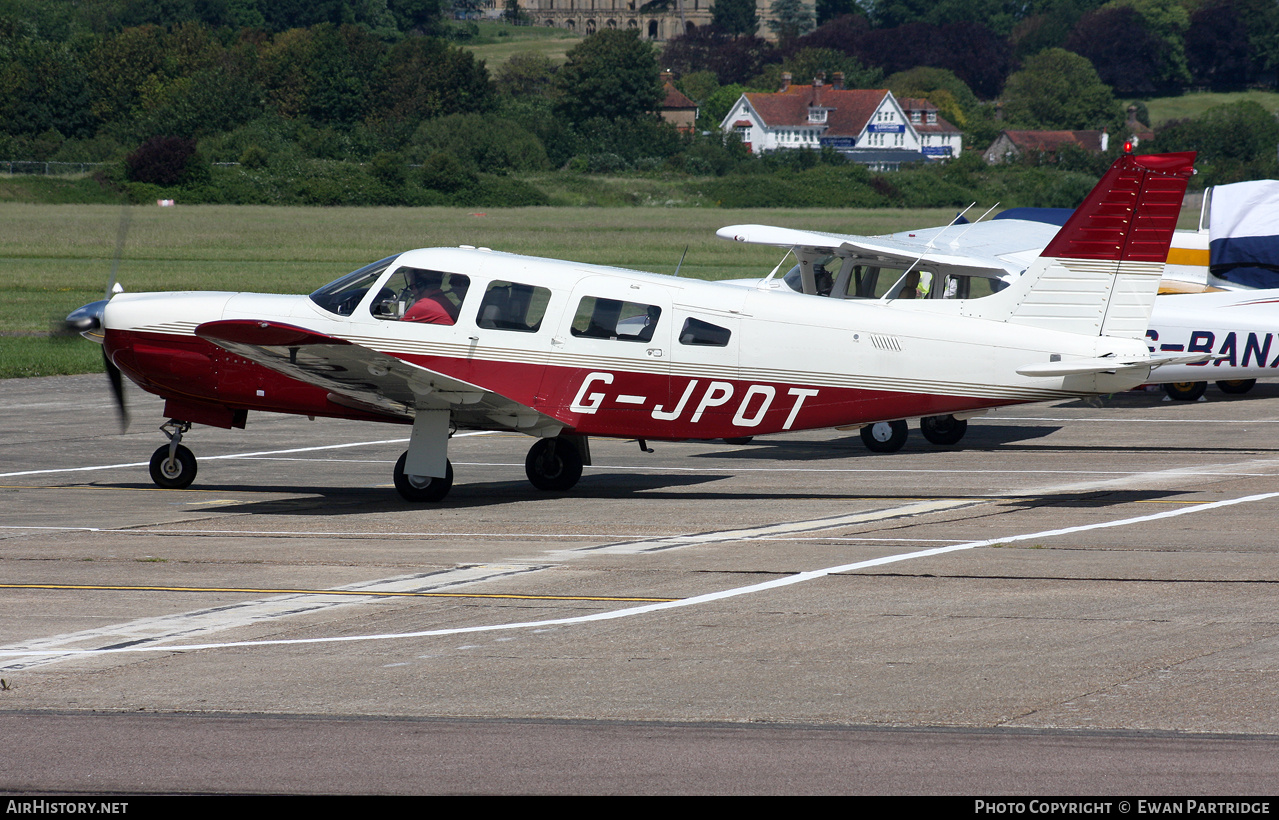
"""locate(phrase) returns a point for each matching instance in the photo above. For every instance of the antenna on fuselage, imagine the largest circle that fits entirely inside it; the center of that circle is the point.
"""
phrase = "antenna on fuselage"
(681, 260)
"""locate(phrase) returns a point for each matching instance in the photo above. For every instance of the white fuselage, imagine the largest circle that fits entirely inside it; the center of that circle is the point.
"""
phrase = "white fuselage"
(789, 361)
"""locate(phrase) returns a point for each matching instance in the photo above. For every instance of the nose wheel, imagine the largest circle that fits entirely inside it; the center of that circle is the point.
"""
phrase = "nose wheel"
(173, 466)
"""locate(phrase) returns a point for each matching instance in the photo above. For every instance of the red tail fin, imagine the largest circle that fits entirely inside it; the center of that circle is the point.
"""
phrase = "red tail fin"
(1100, 273)
(1132, 212)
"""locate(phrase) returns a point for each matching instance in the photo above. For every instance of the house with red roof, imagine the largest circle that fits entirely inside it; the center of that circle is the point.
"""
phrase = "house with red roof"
(676, 108)
(938, 139)
(869, 126)
(1011, 145)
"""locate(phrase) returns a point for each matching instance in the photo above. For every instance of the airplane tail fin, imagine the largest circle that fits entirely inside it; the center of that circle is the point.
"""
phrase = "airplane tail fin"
(1100, 273)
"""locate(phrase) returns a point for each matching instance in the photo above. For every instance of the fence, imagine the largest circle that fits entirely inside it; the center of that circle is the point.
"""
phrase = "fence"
(47, 168)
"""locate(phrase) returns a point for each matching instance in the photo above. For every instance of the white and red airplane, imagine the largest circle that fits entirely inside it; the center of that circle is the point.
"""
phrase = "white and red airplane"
(564, 351)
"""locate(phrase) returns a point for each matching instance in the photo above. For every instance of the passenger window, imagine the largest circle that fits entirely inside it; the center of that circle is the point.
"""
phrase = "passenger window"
(697, 332)
(614, 319)
(512, 306)
(420, 295)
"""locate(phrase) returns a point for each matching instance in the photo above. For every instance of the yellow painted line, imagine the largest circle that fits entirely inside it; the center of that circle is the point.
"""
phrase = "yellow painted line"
(353, 592)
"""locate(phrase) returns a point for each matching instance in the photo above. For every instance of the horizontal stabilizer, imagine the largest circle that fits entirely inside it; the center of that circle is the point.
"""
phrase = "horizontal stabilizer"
(1106, 364)
(1197, 358)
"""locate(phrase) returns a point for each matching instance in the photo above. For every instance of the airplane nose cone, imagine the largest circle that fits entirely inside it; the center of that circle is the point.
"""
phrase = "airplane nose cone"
(87, 320)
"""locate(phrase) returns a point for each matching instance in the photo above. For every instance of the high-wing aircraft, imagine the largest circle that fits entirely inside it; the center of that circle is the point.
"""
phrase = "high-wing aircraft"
(564, 351)
(945, 269)
(1236, 248)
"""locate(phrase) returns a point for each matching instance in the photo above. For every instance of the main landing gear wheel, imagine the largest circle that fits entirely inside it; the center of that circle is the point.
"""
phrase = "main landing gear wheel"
(553, 464)
(885, 436)
(739, 440)
(422, 487)
(173, 473)
(1237, 387)
(1185, 391)
(943, 430)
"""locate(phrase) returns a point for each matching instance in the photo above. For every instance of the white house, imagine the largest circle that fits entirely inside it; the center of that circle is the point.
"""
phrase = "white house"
(868, 125)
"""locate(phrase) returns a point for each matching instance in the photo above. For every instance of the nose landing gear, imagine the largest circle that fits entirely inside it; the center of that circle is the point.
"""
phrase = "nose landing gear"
(173, 466)
(418, 488)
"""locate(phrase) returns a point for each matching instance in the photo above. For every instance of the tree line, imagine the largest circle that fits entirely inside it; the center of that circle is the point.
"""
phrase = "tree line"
(1138, 47)
(374, 101)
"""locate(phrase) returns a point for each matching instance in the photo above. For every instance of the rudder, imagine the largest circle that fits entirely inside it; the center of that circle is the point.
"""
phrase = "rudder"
(1099, 275)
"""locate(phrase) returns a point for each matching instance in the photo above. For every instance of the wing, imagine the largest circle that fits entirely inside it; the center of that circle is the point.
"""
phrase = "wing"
(357, 376)
(989, 249)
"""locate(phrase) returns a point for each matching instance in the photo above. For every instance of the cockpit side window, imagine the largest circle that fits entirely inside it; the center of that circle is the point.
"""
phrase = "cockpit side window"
(513, 306)
(421, 295)
(598, 318)
(343, 296)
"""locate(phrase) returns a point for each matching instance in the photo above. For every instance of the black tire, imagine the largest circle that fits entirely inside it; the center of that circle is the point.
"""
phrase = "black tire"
(943, 430)
(885, 436)
(1185, 391)
(175, 474)
(553, 464)
(739, 440)
(418, 488)
(1237, 387)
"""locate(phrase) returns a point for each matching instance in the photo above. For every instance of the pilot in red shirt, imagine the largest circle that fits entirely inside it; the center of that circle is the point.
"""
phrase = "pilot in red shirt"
(431, 306)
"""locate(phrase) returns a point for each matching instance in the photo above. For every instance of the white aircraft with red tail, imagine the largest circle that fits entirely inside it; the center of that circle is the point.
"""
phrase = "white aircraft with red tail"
(468, 338)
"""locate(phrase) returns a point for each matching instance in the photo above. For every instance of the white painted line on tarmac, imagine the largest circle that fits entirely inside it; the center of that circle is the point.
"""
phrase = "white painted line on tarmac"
(209, 458)
(631, 612)
(334, 534)
(1162, 479)
(151, 631)
(495, 536)
(732, 470)
(76, 469)
(920, 471)
(785, 528)
(262, 453)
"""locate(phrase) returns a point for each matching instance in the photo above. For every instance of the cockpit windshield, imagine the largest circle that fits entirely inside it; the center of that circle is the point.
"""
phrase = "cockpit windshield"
(342, 296)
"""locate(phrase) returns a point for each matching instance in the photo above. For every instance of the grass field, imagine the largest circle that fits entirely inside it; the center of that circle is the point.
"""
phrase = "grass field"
(498, 41)
(54, 258)
(1192, 105)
